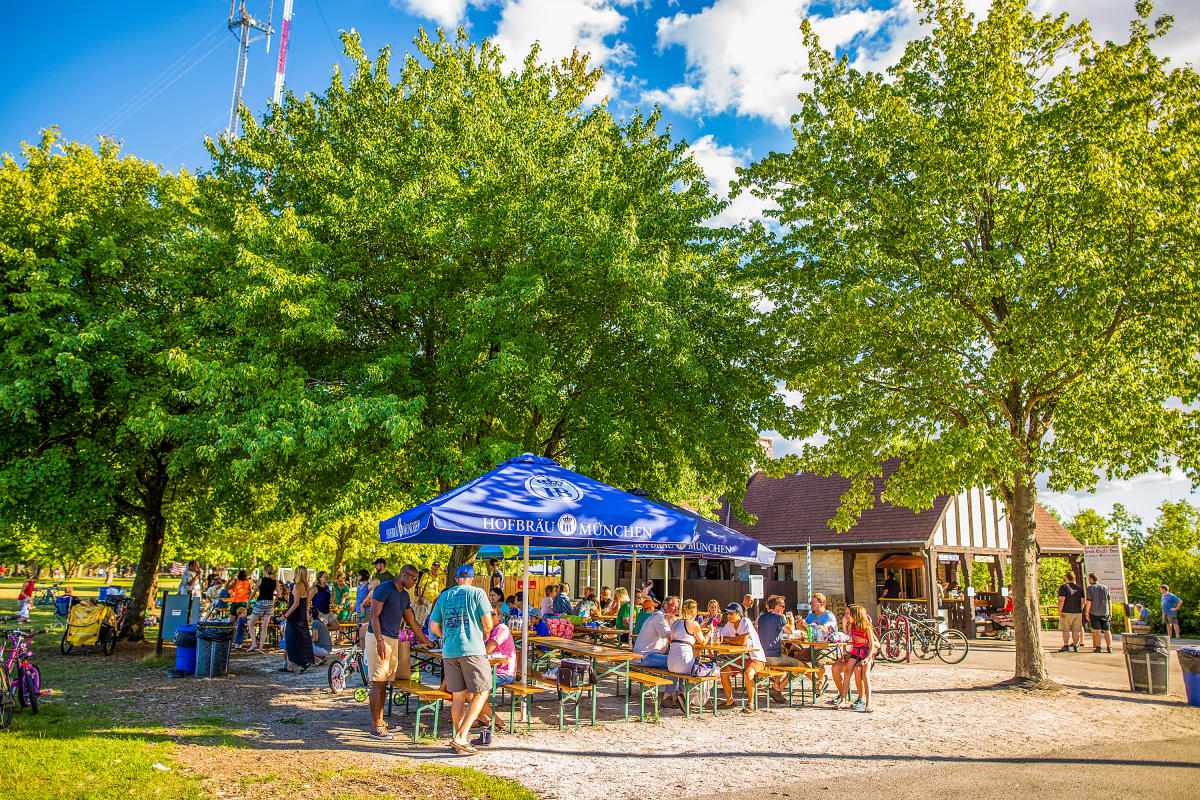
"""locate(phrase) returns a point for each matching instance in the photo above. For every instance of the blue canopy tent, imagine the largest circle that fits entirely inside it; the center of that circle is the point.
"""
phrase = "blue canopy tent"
(532, 501)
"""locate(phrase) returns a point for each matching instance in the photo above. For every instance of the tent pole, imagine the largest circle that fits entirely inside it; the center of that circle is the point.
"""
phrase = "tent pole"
(525, 617)
(632, 596)
(682, 559)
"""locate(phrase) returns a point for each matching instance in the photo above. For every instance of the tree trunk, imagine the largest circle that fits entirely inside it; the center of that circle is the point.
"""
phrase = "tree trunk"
(461, 554)
(145, 577)
(1027, 625)
(343, 540)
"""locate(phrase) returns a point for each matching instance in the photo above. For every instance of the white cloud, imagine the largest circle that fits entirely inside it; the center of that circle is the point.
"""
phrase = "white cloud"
(720, 163)
(562, 26)
(446, 13)
(749, 55)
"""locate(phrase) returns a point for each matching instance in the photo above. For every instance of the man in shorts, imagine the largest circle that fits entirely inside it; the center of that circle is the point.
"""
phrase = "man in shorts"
(387, 656)
(738, 630)
(1070, 613)
(1098, 607)
(462, 619)
(1170, 610)
(772, 626)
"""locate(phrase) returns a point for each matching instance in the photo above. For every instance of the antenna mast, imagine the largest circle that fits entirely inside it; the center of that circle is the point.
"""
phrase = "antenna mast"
(283, 44)
(240, 19)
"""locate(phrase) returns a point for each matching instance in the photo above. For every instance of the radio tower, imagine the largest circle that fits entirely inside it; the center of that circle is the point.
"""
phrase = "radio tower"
(284, 28)
(241, 20)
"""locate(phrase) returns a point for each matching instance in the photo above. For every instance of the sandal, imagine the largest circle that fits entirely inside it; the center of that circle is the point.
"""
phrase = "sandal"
(463, 749)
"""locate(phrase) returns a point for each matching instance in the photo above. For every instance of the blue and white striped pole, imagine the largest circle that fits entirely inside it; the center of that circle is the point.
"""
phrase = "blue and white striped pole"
(808, 560)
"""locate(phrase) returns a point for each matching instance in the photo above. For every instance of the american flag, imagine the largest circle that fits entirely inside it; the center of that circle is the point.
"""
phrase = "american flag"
(177, 568)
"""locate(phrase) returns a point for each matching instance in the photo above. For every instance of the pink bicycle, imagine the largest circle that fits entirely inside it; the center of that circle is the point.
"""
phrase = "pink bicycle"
(20, 679)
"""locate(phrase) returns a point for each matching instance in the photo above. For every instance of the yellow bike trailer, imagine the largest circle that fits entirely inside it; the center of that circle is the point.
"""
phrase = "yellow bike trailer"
(90, 625)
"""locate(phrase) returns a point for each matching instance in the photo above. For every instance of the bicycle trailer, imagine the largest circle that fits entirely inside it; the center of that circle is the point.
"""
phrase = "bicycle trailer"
(90, 625)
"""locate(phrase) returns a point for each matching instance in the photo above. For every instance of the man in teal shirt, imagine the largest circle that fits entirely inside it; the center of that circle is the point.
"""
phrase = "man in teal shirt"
(462, 619)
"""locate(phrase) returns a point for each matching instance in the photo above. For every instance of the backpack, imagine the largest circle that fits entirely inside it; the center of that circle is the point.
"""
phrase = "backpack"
(575, 672)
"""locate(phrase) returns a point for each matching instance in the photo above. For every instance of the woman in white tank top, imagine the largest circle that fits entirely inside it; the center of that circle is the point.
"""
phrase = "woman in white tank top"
(685, 632)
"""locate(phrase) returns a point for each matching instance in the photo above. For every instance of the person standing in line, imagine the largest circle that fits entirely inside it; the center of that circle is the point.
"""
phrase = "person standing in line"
(462, 619)
(297, 630)
(1070, 613)
(264, 606)
(1098, 607)
(1170, 610)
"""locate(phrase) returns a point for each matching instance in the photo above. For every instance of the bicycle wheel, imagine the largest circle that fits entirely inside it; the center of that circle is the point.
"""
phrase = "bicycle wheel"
(6, 701)
(361, 663)
(952, 647)
(892, 646)
(924, 647)
(65, 646)
(337, 676)
(110, 642)
(32, 680)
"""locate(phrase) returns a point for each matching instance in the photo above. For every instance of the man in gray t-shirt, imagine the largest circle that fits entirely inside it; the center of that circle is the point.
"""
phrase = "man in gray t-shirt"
(1098, 607)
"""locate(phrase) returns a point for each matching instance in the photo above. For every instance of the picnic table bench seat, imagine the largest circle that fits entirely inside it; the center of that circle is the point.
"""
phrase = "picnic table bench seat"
(692, 682)
(429, 698)
(649, 685)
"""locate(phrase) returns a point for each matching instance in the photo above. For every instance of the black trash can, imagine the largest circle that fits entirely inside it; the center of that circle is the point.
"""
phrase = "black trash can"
(213, 643)
(1146, 661)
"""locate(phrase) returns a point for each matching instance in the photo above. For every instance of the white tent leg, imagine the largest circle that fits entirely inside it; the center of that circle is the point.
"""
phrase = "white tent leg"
(525, 618)
(632, 597)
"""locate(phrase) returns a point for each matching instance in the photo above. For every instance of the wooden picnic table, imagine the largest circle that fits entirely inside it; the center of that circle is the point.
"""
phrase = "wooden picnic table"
(607, 661)
(819, 654)
(596, 634)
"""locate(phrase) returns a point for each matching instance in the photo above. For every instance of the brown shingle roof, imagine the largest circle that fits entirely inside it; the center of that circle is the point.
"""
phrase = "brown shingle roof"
(1052, 537)
(795, 510)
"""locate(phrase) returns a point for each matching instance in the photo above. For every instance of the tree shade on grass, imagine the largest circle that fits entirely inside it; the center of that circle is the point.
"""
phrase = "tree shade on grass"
(988, 266)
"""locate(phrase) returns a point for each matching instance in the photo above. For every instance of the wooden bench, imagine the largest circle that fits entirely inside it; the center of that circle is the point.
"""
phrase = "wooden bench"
(650, 684)
(575, 693)
(802, 672)
(523, 695)
(429, 698)
(690, 682)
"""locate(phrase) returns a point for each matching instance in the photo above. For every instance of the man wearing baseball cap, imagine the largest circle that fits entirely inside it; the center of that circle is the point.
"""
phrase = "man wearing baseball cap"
(739, 631)
(381, 573)
(462, 619)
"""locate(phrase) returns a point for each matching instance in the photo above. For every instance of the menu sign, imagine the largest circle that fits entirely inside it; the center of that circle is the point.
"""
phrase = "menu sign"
(1105, 560)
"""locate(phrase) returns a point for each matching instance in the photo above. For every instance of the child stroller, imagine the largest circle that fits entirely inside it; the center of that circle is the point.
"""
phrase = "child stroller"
(90, 625)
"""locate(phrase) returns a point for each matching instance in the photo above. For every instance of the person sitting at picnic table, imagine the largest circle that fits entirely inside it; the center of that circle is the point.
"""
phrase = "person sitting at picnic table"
(738, 631)
(548, 601)
(646, 592)
(608, 605)
(562, 601)
(772, 626)
(585, 606)
(624, 609)
(712, 615)
(646, 608)
(322, 643)
(496, 596)
(820, 615)
(654, 639)
(681, 655)
(856, 660)
(500, 641)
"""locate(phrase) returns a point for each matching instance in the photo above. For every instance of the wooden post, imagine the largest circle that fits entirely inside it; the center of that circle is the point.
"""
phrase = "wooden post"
(931, 581)
(848, 557)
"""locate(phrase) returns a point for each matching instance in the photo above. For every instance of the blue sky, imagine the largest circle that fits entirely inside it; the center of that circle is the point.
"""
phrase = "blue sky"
(159, 76)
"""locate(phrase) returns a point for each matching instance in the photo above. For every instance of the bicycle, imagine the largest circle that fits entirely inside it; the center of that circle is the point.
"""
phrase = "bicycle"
(921, 638)
(347, 663)
(21, 679)
(46, 596)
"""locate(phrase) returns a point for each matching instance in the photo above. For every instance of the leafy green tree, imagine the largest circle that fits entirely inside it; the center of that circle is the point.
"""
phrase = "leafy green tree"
(987, 265)
(1168, 552)
(439, 271)
(1089, 527)
(96, 298)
